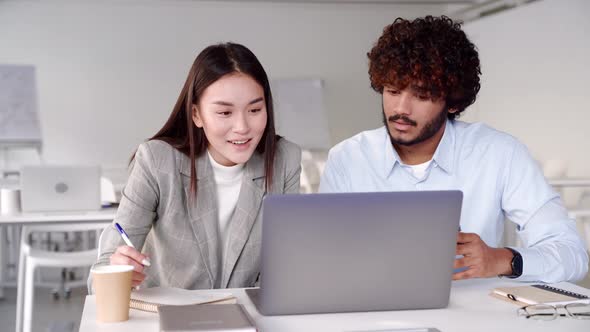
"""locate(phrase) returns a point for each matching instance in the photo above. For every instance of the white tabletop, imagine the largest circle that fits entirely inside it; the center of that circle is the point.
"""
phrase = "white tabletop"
(576, 213)
(569, 182)
(27, 218)
(470, 309)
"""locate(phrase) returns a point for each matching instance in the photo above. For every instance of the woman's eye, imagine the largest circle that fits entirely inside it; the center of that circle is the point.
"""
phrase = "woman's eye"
(393, 92)
(224, 113)
(256, 110)
(423, 97)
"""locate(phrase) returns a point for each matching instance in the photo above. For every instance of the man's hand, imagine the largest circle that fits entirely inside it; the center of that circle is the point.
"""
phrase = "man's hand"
(480, 260)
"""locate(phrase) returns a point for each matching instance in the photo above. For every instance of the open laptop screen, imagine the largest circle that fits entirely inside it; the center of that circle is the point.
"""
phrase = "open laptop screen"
(358, 251)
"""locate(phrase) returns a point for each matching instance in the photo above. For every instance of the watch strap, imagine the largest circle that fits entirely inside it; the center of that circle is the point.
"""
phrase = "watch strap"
(516, 264)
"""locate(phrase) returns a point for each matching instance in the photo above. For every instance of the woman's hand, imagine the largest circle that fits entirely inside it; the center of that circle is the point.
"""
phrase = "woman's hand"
(126, 255)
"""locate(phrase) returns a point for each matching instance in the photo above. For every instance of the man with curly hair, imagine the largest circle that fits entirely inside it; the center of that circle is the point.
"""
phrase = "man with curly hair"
(427, 72)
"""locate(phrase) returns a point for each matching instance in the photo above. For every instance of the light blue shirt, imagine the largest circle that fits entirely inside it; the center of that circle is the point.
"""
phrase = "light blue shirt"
(499, 180)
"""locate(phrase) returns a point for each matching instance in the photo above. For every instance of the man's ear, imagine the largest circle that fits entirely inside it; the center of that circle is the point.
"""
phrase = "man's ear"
(196, 116)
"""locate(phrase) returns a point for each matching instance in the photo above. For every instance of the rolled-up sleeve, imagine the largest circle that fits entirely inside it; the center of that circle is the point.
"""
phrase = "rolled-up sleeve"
(552, 250)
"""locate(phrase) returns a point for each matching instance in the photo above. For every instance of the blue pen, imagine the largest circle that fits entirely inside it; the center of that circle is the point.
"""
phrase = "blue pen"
(145, 262)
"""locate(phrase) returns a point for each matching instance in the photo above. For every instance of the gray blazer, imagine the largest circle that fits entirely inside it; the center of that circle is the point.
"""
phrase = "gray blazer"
(181, 238)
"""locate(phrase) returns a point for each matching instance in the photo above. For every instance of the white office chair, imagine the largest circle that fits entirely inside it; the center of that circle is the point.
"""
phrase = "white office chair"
(2, 261)
(31, 258)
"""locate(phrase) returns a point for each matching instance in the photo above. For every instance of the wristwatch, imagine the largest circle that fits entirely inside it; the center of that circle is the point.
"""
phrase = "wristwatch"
(516, 264)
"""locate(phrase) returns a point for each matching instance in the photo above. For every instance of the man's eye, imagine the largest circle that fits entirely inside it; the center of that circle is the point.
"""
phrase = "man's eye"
(393, 92)
(224, 113)
(423, 97)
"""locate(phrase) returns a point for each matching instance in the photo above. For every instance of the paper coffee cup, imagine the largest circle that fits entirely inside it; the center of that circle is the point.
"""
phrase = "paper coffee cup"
(112, 286)
(9, 201)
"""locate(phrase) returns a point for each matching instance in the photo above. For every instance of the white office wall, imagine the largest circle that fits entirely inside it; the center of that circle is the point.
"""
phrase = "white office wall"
(534, 61)
(109, 72)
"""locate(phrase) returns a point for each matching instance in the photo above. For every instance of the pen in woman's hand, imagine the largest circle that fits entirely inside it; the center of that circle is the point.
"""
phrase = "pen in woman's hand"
(145, 262)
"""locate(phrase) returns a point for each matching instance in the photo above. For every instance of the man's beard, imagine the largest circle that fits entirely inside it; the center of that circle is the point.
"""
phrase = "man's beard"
(429, 130)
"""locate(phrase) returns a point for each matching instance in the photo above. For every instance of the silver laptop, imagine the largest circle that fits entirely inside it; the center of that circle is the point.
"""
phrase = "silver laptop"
(346, 252)
(60, 188)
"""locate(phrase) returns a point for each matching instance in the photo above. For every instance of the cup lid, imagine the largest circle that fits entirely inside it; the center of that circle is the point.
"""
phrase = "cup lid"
(111, 268)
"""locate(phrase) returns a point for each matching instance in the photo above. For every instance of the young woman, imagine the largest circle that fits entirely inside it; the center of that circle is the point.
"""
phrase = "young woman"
(193, 199)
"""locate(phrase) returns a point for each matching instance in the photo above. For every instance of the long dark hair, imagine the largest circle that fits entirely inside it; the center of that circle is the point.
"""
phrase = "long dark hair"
(210, 65)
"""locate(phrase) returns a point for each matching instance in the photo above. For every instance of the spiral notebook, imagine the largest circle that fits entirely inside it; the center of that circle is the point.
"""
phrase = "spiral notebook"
(541, 293)
(149, 299)
(205, 318)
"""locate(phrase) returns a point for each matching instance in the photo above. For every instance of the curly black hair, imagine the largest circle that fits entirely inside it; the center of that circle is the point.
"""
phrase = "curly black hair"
(430, 53)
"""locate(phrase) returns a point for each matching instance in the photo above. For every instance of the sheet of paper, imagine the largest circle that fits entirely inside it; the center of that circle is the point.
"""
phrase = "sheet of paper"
(177, 296)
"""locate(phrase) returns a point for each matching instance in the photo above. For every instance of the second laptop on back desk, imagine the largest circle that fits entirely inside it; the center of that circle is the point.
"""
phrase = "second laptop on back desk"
(60, 188)
(345, 252)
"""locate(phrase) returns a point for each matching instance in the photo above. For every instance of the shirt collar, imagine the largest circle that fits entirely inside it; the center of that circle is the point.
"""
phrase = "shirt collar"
(445, 152)
(391, 158)
(443, 156)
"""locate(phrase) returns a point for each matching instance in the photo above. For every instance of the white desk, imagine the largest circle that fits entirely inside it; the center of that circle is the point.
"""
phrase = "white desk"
(470, 309)
(33, 218)
(570, 182)
(28, 219)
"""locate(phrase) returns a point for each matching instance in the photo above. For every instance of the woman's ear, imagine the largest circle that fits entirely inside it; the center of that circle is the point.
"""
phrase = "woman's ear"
(196, 116)
(452, 110)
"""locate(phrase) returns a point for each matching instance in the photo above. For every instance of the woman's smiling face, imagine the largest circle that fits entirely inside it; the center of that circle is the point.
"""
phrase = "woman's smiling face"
(232, 113)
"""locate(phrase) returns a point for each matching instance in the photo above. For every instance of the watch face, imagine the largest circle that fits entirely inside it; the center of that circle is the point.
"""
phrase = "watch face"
(517, 265)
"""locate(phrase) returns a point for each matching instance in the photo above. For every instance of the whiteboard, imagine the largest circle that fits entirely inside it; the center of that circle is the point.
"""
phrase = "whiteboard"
(300, 115)
(19, 121)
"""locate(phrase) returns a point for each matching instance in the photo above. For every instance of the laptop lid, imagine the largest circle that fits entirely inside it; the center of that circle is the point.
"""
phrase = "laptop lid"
(358, 251)
(60, 188)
